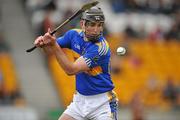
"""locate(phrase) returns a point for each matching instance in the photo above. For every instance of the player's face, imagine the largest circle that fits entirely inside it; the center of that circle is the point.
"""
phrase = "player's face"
(92, 28)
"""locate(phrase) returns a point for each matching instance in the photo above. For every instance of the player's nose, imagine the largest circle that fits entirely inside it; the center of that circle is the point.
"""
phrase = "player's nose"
(96, 29)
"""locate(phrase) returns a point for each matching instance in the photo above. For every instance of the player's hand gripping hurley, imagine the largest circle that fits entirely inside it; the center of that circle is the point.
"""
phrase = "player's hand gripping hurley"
(83, 8)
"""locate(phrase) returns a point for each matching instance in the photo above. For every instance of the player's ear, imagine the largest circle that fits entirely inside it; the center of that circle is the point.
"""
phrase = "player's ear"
(82, 23)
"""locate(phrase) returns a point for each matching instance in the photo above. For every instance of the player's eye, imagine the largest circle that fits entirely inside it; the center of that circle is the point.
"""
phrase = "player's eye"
(100, 24)
(92, 24)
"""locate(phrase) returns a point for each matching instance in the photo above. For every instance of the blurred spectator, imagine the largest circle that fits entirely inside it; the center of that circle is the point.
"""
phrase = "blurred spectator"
(170, 92)
(67, 13)
(152, 92)
(178, 99)
(47, 23)
(1, 76)
(137, 107)
(152, 83)
(134, 61)
(151, 6)
(156, 35)
(118, 5)
(175, 6)
(3, 45)
(5, 95)
(10, 97)
(18, 98)
(35, 5)
(174, 32)
(116, 64)
(130, 33)
(131, 5)
(1, 93)
(106, 31)
(50, 5)
(142, 32)
(1, 85)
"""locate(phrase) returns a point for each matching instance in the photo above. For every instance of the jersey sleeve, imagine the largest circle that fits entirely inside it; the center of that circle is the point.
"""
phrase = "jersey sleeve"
(94, 56)
(65, 40)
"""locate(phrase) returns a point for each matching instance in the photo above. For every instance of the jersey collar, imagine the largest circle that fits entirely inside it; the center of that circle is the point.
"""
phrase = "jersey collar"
(82, 34)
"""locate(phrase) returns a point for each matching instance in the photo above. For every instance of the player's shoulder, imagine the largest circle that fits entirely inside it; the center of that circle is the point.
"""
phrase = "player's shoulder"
(103, 46)
(75, 31)
(102, 42)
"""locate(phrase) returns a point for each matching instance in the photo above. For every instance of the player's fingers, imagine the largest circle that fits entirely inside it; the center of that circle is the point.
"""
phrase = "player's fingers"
(41, 43)
(49, 39)
(48, 35)
(46, 39)
(37, 41)
(49, 31)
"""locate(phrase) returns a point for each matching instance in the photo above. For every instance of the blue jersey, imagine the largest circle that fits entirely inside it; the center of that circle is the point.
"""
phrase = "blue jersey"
(97, 56)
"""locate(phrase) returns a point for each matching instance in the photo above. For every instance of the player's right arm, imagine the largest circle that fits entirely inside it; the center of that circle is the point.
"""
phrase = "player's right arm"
(49, 43)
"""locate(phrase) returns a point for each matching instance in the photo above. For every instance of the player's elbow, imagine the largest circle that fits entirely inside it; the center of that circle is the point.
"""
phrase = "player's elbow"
(74, 69)
(70, 73)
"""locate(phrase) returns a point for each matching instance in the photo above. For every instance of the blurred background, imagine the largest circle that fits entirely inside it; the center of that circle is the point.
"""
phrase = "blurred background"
(146, 78)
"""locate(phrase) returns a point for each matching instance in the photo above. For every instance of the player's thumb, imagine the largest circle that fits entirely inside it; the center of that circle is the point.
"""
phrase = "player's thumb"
(49, 30)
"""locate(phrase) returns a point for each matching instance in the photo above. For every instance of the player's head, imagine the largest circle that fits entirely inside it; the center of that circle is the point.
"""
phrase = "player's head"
(92, 22)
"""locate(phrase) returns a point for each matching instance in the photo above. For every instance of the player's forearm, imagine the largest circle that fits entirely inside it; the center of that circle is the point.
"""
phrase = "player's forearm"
(48, 51)
(63, 61)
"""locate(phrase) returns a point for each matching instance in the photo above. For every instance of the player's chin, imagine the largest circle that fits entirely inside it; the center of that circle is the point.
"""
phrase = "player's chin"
(91, 35)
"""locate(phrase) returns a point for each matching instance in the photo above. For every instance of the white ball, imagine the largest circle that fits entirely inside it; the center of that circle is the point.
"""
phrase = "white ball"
(121, 51)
